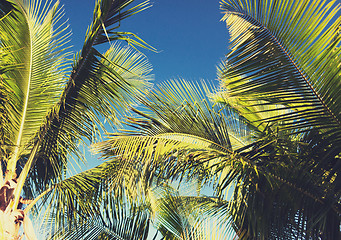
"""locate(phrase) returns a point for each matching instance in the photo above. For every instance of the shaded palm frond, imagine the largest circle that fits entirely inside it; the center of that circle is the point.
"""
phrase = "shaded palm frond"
(85, 206)
(116, 224)
(281, 176)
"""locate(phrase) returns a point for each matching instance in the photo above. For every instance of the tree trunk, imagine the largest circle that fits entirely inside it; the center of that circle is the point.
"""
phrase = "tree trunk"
(11, 220)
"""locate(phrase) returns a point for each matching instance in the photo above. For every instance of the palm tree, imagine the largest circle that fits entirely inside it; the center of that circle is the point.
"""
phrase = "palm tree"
(50, 105)
(274, 134)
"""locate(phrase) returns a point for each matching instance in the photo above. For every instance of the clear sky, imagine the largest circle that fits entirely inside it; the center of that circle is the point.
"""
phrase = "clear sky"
(188, 34)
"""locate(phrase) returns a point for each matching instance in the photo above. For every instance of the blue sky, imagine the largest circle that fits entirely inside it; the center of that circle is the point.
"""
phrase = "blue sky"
(188, 34)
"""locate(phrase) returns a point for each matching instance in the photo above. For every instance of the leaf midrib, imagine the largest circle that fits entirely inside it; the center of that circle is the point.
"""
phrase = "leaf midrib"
(14, 158)
(325, 106)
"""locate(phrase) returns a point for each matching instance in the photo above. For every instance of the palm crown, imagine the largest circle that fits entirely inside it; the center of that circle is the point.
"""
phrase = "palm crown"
(267, 140)
(274, 132)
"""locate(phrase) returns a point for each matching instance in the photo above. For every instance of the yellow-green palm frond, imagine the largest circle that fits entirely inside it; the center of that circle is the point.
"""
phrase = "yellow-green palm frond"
(186, 217)
(178, 134)
(184, 107)
(287, 53)
(36, 47)
(256, 113)
(48, 111)
(142, 161)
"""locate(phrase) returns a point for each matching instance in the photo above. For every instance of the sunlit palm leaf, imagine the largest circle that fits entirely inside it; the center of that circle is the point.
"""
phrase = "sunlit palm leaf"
(285, 56)
(37, 50)
(256, 113)
(119, 77)
(183, 136)
(184, 108)
(47, 120)
(277, 58)
(99, 85)
(186, 217)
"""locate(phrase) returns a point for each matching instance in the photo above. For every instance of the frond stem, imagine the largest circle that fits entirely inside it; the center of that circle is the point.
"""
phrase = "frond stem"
(306, 80)
(12, 163)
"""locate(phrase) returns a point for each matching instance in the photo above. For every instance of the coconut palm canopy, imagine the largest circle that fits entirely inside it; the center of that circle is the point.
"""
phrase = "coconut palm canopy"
(267, 140)
(273, 136)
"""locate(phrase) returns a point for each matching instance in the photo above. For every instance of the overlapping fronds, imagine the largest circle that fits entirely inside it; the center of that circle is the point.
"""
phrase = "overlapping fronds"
(184, 107)
(94, 229)
(256, 113)
(47, 112)
(181, 108)
(186, 217)
(116, 79)
(182, 133)
(287, 53)
(99, 85)
(85, 206)
(282, 176)
(283, 76)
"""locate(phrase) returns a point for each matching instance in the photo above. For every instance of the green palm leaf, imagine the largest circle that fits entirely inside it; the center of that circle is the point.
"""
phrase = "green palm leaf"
(95, 87)
(286, 53)
(84, 206)
(117, 79)
(186, 217)
(37, 51)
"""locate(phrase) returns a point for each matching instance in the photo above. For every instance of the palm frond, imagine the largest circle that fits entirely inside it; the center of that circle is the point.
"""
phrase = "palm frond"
(185, 108)
(179, 139)
(85, 206)
(37, 50)
(120, 222)
(287, 53)
(186, 217)
(281, 176)
(104, 88)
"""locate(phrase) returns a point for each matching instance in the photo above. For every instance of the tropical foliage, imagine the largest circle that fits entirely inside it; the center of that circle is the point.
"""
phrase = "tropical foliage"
(49, 105)
(266, 141)
(269, 143)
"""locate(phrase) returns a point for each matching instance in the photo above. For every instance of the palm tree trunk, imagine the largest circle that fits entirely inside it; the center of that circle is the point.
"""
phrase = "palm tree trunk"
(10, 224)
(11, 220)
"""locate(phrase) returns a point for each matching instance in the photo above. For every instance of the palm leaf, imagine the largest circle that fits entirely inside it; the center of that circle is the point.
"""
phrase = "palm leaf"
(177, 135)
(276, 58)
(186, 217)
(280, 176)
(85, 207)
(122, 223)
(37, 51)
(49, 120)
(99, 85)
